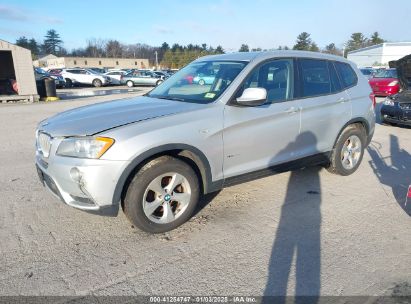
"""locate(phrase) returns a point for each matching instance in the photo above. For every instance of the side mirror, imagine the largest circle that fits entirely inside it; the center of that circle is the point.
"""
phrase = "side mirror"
(253, 97)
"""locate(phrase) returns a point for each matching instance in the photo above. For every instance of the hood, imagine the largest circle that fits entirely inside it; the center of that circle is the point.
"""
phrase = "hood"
(96, 118)
(404, 72)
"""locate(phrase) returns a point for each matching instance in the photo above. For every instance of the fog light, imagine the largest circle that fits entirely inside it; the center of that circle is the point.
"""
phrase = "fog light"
(76, 174)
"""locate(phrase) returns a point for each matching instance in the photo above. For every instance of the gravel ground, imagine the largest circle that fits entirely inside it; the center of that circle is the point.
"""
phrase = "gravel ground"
(307, 232)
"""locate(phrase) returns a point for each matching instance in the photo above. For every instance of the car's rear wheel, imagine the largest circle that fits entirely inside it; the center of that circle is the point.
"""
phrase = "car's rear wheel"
(162, 195)
(201, 82)
(159, 82)
(130, 84)
(348, 151)
(97, 83)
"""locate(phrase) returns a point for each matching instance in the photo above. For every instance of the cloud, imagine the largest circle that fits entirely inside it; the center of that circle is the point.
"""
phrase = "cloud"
(13, 32)
(162, 30)
(17, 14)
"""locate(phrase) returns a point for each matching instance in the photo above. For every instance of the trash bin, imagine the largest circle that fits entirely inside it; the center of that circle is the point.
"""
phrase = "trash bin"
(50, 87)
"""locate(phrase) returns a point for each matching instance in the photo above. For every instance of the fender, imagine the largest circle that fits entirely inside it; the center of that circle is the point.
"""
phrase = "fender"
(194, 154)
(356, 120)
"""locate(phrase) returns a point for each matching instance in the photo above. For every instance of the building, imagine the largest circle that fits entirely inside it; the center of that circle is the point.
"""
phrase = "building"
(42, 62)
(380, 54)
(90, 62)
(17, 81)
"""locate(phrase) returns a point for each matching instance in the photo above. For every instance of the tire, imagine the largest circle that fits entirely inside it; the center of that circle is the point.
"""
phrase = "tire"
(201, 82)
(97, 83)
(348, 151)
(148, 209)
(69, 83)
(159, 82)
(130, 84)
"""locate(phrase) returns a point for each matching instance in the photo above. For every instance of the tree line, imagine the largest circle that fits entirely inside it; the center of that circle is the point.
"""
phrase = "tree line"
(305, 43)
(177, 55)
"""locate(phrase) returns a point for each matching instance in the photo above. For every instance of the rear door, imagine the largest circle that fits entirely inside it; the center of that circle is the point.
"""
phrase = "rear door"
(326, 106)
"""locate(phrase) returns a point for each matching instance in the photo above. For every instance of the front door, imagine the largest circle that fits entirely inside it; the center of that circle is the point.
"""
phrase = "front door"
(262, 136)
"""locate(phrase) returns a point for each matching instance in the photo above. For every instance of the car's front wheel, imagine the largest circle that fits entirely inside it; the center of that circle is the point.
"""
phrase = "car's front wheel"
(348, 151)
(130, 84)
(162, 195)
(159, 82)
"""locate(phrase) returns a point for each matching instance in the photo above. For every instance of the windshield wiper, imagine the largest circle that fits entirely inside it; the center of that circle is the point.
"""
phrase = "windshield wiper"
(168, 98)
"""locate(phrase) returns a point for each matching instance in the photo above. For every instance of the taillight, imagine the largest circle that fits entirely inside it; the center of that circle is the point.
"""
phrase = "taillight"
(372, 97)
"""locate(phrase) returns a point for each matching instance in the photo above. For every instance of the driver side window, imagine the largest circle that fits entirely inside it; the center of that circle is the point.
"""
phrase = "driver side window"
(276, 76)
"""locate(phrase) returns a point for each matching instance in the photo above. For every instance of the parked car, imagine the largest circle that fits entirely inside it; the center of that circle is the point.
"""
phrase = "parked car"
(141, 78)
(156, 154)
(40, 74)
(76, 76)
(115, 76)
(385, 82)
(396, 109)
(203, 79)
(368, 72)
(161, 74)
(98, 70)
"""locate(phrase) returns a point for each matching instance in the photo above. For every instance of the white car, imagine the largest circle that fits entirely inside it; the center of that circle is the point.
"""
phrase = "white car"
(115, 76)
(84, 76)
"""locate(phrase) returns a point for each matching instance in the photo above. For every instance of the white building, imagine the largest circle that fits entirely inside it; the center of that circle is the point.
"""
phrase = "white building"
(380, 54)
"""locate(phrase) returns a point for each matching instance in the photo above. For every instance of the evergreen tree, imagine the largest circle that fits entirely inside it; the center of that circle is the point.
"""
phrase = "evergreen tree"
(303, 42)
(52, 42)
(376, 39)
(244, 48)
(357, 41)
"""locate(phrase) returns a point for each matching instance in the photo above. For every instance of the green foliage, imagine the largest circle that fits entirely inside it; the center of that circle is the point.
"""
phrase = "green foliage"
(332, 49)
(179, 56)
(376, 39)
(31, 45)
(52, 42)
(303, 42)
(244, 48)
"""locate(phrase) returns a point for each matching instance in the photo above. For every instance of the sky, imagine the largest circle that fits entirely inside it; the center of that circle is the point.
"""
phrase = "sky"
(229, 23)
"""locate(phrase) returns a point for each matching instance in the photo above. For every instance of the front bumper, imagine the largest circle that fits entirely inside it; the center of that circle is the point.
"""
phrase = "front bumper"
(395, 114)
(93, 186)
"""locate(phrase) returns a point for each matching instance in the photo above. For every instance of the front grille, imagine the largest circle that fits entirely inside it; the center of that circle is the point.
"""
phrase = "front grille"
(405, 106)
(44, 144)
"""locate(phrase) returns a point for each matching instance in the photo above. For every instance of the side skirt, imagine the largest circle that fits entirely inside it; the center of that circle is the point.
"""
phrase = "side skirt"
(309, 161)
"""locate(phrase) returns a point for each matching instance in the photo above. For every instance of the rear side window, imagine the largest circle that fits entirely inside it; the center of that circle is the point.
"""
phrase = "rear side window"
(346, 74)
(315, 77)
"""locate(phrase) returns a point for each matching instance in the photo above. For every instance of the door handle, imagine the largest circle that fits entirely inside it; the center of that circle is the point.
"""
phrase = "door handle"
(342, 100)
(291, 110)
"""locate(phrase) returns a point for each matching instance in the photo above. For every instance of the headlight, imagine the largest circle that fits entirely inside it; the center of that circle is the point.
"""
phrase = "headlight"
(388, 102)
(393, 83)
(84, 147)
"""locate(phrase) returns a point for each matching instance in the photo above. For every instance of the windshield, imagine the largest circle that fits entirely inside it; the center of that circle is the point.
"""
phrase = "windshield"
(199, 82)
(387, 74)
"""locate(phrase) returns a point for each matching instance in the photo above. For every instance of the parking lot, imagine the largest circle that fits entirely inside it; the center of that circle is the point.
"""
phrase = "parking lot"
(305, 232)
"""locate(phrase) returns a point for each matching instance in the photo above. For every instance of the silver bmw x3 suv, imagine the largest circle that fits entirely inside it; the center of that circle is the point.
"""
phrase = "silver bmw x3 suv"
(155, 155)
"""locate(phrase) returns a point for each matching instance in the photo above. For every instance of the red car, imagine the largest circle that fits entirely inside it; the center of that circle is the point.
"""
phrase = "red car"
(385, 83)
